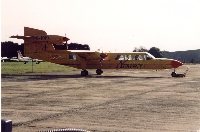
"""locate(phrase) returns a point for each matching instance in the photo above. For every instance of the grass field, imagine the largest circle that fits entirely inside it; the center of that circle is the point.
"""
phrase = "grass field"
(43, 67)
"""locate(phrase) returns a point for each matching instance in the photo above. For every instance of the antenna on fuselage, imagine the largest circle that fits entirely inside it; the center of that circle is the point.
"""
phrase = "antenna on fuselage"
(66, 42)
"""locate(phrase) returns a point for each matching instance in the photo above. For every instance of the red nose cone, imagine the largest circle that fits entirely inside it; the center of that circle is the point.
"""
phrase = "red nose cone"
(176, 63)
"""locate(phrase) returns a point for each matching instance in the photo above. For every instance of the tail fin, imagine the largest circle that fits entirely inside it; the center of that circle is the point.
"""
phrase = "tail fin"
(31, 47)
(20, 56)
(37, 42)
(33, 32)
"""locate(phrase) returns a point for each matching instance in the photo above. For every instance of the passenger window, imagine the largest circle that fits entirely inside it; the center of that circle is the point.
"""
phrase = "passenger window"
(72, 57)
(119, 57)
(128, 57)
(145, 57)
(138, 57)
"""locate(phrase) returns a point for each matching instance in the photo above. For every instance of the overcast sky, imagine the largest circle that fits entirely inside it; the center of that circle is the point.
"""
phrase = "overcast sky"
(109, 25)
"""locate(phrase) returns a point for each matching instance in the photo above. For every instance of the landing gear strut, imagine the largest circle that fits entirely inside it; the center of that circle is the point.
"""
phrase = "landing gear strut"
(99, 71)
(84, 73)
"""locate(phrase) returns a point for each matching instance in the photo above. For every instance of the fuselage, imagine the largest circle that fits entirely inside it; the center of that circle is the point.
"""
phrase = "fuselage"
(93, 60)
(37, 44)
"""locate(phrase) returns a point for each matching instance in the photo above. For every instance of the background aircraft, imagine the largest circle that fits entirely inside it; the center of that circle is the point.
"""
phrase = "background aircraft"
(37, 44)
(26, 59)
(3, 59)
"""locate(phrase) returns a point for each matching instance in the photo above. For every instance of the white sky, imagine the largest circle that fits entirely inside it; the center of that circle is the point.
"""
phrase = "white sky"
(109, 25)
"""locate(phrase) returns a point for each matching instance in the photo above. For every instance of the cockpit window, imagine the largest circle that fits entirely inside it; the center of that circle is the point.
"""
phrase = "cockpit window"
(148, 57)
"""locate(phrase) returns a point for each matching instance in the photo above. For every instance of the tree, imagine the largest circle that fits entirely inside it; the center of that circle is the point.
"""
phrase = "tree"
(9, 49)
(140, 49)
(76, 46)
(156, 52)
(192, 60)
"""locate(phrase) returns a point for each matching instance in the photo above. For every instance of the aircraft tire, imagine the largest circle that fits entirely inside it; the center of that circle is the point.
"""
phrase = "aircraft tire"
(65, 130)
(99, 71)
(84, 73)
(173, 74)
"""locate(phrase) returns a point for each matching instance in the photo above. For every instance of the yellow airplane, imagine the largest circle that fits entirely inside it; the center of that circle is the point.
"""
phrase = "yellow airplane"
(37, 44)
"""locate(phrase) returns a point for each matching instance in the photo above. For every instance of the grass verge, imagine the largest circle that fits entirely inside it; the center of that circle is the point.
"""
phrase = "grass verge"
(43, 67)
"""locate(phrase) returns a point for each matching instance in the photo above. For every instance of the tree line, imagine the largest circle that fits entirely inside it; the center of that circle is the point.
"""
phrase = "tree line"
(154, 51)
(9, 49)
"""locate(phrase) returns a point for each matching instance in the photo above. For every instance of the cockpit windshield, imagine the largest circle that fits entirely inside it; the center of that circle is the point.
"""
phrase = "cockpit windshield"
(149, 56)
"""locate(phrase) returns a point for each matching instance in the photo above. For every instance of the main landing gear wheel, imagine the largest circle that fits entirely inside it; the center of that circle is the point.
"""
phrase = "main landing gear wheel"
(99, 71)
(84, 73)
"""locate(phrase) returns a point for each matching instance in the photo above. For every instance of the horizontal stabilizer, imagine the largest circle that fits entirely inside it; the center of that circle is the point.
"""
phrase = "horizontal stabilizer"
(22, 37)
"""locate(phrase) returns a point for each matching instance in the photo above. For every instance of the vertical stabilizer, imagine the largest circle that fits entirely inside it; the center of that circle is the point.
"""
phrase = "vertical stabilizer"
(34, 47)
(33, 32)
(20, 56)
(30, 47)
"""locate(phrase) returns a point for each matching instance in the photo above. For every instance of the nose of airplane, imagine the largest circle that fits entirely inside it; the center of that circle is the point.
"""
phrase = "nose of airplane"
(176, 63)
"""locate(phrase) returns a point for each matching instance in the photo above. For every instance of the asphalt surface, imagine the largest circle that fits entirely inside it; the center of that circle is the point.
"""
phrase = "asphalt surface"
(118, 100)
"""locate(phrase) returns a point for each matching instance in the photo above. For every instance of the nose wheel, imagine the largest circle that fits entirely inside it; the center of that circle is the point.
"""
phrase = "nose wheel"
(173, 74)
